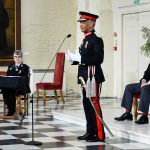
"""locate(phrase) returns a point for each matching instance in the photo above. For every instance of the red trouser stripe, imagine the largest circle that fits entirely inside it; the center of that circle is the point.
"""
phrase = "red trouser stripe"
(100, 126)
(98, 121)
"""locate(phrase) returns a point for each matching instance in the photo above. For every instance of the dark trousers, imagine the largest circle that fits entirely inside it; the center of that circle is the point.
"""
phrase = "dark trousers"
(128, 95)
(9, 99)
(93, 125)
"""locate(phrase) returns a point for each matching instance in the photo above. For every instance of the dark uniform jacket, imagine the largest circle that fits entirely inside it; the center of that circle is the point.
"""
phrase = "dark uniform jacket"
(22, 70)
(146, 75)
(92, 53)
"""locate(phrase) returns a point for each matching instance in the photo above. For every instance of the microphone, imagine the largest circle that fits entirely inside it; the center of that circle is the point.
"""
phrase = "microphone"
(69, 35)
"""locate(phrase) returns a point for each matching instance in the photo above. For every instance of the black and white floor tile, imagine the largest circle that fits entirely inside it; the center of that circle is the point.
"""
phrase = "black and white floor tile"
(55, 134)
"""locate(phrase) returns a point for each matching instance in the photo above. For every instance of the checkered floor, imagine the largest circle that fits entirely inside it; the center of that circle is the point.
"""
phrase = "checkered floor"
(54, 134)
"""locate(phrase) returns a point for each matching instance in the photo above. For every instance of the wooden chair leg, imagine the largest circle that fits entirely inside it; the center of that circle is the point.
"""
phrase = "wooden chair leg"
(18, 106)
(56, 96)
(135, 104)
(55, 93)
(62, 96)
(44, 97)
(5, 108)
(37, 96)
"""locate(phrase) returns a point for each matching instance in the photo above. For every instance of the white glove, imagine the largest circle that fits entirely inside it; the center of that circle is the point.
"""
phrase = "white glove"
(77, 57)
(71, 57)
(68, 57)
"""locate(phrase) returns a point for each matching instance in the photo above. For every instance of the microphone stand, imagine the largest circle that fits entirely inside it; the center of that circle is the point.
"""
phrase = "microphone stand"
(68, 36)
(33, 142)
(31, 101)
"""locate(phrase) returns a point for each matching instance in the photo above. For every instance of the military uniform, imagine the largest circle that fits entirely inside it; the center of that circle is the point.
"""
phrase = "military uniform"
(133, 88)
(92, 53)
(89, 60)
(9, 95)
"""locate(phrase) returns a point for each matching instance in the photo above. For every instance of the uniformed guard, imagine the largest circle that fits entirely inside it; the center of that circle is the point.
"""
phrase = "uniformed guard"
(89, 60)
(16, 69)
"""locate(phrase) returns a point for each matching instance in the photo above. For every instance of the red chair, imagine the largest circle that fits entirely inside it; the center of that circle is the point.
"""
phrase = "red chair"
(3, 73)
(57, 83)
(136, 104)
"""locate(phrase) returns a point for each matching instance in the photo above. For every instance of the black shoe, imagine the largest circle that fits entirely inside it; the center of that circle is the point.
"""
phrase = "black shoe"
(125, 116)
(94, 138)
(83, 137)
(142, 120)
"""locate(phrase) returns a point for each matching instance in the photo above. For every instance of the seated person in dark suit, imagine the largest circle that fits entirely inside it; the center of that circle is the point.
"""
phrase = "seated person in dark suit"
(142, 87)
(16, 69)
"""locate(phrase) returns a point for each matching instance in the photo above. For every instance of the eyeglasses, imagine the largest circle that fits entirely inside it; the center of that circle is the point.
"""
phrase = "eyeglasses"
(17, 57)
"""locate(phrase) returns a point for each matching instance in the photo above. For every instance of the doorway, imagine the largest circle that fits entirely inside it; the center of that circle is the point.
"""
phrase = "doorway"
(134, 63)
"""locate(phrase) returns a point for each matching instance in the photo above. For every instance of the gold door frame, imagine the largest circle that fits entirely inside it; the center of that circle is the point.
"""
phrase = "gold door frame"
(6, 59)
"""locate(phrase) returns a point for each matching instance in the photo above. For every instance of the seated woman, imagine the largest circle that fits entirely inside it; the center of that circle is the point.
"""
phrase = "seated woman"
(16, 69)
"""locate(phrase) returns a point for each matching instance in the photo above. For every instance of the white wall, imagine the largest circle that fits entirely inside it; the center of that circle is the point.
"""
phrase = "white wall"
(120, 8)
(44, 25)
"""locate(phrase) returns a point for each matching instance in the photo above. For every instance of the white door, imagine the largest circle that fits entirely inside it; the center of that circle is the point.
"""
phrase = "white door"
(130, 48)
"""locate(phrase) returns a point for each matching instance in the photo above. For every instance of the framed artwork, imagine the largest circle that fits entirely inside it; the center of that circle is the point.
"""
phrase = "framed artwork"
(10, 29)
